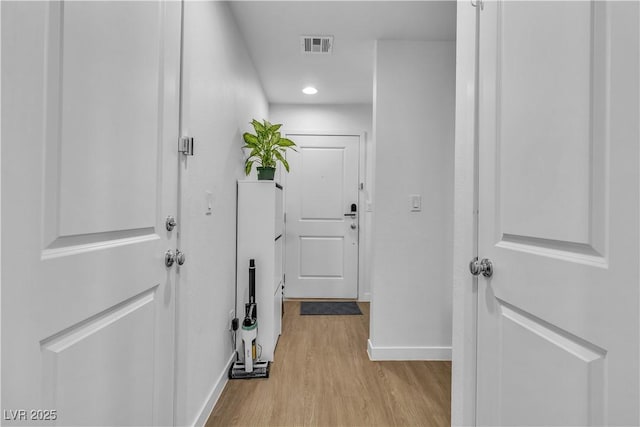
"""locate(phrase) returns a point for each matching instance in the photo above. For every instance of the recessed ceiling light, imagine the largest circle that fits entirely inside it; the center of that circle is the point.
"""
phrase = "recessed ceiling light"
(309, 90)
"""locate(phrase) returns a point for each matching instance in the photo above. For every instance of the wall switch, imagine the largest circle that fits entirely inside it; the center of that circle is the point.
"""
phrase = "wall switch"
(416, 202)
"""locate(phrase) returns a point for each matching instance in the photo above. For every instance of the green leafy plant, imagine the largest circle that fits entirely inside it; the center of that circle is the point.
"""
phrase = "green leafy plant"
(267, 146)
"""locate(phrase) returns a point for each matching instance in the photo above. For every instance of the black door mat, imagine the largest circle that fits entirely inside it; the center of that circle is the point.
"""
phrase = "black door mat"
(329, 308)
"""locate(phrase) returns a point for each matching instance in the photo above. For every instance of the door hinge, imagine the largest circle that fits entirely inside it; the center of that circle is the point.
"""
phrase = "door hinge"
(185, 145)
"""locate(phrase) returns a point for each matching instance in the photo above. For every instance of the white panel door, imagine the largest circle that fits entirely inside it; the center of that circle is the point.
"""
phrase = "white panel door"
(90, 105)
(558, 322)
(321, 241)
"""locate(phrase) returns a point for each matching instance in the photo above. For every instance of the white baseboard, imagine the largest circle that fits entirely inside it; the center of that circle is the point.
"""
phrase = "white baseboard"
(214, 395)
(366, 297)
(408, 353)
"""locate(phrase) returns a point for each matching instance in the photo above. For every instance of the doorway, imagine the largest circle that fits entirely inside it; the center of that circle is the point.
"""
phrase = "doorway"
(322, 216)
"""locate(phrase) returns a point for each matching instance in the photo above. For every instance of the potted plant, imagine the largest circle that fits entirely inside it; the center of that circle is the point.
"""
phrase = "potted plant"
(267, 147)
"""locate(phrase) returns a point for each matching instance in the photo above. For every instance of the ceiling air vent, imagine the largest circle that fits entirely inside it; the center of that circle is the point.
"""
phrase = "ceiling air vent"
(316, 44)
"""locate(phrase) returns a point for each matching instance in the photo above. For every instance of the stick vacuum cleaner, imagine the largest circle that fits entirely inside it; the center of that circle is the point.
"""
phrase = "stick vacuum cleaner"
(250, 366)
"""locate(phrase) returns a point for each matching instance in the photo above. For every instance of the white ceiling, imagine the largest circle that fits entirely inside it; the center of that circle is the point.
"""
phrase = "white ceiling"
(272, 31)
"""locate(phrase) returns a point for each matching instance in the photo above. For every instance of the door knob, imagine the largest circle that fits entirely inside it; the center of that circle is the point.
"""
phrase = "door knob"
(170, 223)
(180, 258)
(169, 258)
(485, 267)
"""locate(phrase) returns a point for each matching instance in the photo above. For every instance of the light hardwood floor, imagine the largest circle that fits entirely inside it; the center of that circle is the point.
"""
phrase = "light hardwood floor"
(322, 376)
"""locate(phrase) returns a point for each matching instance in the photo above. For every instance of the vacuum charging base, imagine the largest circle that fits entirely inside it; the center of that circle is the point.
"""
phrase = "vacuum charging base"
(260, 370)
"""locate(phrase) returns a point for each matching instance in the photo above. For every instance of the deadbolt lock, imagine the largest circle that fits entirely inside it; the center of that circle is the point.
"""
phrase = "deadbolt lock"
(170, 223)
(169, 258)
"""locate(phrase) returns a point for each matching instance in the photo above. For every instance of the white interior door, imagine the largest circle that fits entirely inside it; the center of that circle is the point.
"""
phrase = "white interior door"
(559, 214)
(90, 103)
(321, 228)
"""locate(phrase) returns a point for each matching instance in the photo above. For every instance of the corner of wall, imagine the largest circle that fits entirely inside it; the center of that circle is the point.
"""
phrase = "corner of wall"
(411, 312)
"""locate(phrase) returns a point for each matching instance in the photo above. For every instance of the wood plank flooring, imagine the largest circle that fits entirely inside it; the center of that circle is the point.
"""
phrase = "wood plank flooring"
(322, 376)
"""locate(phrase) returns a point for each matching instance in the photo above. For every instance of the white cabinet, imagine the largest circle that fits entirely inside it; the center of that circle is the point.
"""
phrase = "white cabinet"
(261, 237)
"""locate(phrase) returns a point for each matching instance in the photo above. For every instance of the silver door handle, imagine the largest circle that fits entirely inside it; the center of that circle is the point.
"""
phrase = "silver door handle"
(352, 214)
(169, 258)
(485, 267)
(180, 258)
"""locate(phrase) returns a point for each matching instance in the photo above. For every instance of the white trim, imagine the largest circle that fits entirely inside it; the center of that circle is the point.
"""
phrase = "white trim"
(362, 230)
(366, 297)
(362, 139)
(335, 132)
(214, 394)
(1, 199)
(465, 294)
(407, 353)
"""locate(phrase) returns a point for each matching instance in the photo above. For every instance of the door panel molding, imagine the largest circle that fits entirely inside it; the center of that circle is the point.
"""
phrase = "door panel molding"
(575, 130)
(574, 252)
(566, 365)
(128, 329)
(329, 251)
(75, 333)
(319, 189)
(75, 148)
(75, 245)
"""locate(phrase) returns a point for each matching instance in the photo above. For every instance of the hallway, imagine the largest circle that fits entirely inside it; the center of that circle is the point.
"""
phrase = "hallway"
(496, 211)
(322, 376)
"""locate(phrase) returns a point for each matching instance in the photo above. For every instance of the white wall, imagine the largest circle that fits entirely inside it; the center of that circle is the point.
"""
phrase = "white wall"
(221, 95)
(327, 117)
(411, 274)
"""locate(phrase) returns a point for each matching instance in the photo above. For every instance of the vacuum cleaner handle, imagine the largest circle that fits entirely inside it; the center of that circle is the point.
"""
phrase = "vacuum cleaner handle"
(252, 281)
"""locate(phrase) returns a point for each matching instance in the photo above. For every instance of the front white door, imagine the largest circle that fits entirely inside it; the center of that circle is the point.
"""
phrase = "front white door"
(321, 193)
(89, 166)
(558, 322)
